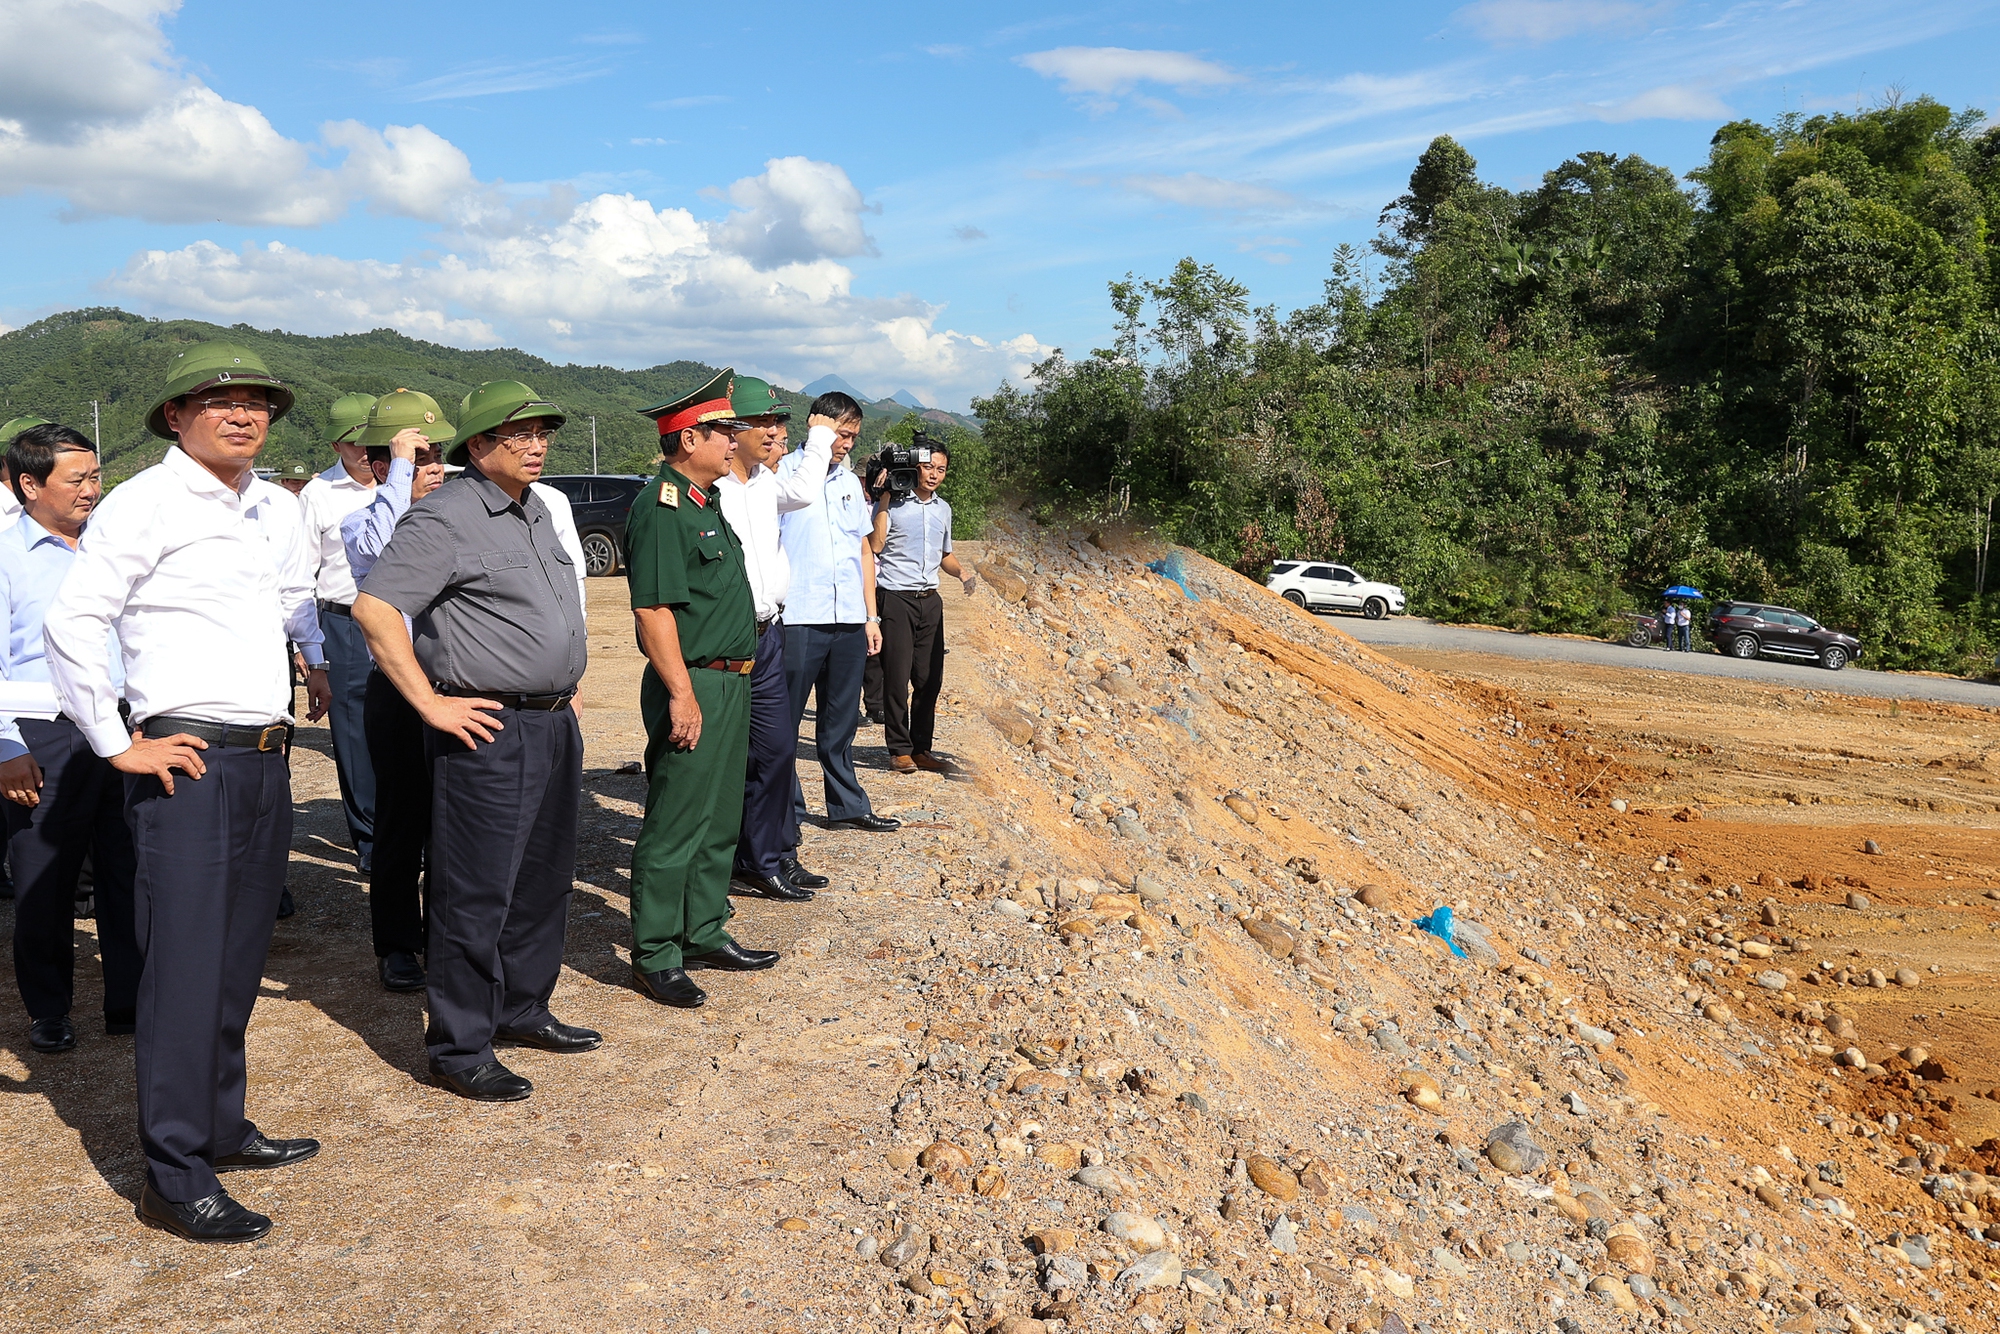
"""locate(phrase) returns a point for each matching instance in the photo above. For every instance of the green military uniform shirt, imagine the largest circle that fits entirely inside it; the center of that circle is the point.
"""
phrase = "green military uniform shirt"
(683, 554)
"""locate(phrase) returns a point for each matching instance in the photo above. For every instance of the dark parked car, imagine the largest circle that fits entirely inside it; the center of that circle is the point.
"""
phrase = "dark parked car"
(1754, 629)
(600, 502)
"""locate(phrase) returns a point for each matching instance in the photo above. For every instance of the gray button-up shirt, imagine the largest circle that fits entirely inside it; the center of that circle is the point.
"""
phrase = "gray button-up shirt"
(490, 592)
(919, 538)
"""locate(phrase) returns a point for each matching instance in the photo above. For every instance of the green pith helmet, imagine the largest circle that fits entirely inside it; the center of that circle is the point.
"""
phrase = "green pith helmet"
(403, 410)
(347, 416)
(209, 366)
(755, 398)
(294, 472)
(494, 404)
(8, 430)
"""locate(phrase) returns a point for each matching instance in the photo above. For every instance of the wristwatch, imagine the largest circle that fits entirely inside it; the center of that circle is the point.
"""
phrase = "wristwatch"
(874, 620)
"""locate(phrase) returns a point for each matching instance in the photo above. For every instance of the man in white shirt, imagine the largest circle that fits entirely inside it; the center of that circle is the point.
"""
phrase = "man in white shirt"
(328, 499)
(752, 496)
(178, 562)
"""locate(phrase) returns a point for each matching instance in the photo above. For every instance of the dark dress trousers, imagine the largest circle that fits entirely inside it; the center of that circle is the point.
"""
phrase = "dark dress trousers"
(347, 670)
(824, 663)
(82, 812)
(912, 667)
(211, 861)
(772, 773)
(402, 818)
(495, 611)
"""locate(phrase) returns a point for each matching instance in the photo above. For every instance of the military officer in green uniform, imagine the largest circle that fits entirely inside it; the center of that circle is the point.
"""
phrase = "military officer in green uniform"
(697, 627)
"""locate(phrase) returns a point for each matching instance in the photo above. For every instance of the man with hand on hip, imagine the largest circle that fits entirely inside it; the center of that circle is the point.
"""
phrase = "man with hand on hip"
(178, 562)
(499, 648)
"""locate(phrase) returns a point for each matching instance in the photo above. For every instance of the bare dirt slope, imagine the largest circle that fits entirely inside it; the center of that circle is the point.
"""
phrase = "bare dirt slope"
(1130, 1029)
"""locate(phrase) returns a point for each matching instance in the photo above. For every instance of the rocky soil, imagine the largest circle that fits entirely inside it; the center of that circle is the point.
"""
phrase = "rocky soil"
(1131, 1028)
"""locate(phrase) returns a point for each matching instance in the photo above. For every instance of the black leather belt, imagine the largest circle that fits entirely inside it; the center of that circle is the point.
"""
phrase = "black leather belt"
(227, 735)
(508, 700)
(337, 608)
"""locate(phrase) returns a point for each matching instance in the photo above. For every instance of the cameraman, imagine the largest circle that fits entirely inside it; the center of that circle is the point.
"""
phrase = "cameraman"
(912, 542)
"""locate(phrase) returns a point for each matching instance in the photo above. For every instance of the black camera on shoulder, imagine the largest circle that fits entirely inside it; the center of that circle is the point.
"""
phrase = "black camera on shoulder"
(893, 472)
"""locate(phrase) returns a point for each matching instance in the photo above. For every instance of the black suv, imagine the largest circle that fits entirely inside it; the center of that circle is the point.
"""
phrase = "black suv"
(599, 502)
(1753, 629)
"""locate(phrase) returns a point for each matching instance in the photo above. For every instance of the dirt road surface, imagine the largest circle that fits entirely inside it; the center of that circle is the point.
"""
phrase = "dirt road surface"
(1397, 633)
(1132, 1028)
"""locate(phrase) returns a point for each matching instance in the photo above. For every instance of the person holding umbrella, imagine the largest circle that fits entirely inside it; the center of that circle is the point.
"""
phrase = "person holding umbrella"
(1680, 618)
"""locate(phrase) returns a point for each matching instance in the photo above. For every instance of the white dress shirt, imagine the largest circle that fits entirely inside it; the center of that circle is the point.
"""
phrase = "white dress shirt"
(329, 498)
(563, 522)
(200, 581)
(753, 506)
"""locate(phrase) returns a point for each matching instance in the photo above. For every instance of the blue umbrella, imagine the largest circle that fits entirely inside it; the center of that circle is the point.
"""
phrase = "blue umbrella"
(1682, 591)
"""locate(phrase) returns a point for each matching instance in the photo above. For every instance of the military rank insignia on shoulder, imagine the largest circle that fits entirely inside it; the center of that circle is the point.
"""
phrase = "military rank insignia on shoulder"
(670, 495)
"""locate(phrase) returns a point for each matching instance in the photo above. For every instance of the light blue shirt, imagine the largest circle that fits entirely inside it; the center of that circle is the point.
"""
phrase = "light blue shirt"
(365, 533)
(918, 540)
(33, 561)
(823, 547)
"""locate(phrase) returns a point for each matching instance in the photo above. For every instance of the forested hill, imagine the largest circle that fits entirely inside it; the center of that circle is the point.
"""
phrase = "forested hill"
(1778, 379)
(56, 366)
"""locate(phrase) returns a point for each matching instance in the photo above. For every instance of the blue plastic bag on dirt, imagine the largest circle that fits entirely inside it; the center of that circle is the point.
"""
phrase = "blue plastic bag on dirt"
(1172, 568)
(1439, 925)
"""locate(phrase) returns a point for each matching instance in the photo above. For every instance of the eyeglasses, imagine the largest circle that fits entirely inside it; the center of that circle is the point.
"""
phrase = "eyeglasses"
(223, 407)
(526, 440)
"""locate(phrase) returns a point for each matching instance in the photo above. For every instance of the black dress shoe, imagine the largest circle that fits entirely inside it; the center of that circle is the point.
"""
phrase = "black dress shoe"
(800, 876)
(260, 1153)
(556, 1036)
(768, 887)
(285, 905)
(670, 986)
(400, 971)
(57, 1034)
(491, 1082)
(874, 824)
(217, 1219)
(732, 958)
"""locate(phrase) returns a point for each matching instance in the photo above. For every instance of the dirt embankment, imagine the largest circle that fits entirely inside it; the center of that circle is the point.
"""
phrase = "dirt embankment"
(1131, 1029)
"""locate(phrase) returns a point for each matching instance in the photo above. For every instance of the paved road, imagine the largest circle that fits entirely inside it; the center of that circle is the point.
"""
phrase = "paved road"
(1413, 632)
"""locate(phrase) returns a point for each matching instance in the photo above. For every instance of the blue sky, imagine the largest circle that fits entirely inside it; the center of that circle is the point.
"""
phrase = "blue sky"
(909, 196)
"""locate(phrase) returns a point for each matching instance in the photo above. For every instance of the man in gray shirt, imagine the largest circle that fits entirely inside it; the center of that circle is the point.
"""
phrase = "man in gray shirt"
(499, 648)
(912, 542)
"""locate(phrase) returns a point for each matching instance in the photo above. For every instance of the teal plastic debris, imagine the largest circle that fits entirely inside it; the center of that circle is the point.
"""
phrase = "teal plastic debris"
(1172, 568)
(1439, 925)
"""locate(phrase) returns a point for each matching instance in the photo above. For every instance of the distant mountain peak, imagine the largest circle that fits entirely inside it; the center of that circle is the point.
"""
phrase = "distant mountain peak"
(827, 384)
(908, 400)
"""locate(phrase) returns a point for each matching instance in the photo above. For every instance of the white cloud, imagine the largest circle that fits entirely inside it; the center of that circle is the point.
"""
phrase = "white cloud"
(1113, 71)
(798, 209)
(405, 169)
(614, 279)
(1193, 190)
(1538, 21)
(503, 76)
(1667, 102)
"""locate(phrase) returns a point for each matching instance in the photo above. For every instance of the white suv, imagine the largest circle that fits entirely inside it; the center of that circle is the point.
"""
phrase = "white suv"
(1321, 587)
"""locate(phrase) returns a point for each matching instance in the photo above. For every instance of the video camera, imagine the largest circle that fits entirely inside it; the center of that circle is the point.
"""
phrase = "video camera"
(893, 472)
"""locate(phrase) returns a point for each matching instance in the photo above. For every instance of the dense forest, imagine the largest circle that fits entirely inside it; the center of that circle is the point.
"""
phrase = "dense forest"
(57, 366)
(1778, 379)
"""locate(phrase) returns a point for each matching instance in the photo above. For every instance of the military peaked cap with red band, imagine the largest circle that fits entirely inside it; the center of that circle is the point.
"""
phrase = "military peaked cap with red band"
(706, 406)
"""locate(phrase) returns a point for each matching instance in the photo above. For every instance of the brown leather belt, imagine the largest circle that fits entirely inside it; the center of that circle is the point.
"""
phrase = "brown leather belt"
(740, 666)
